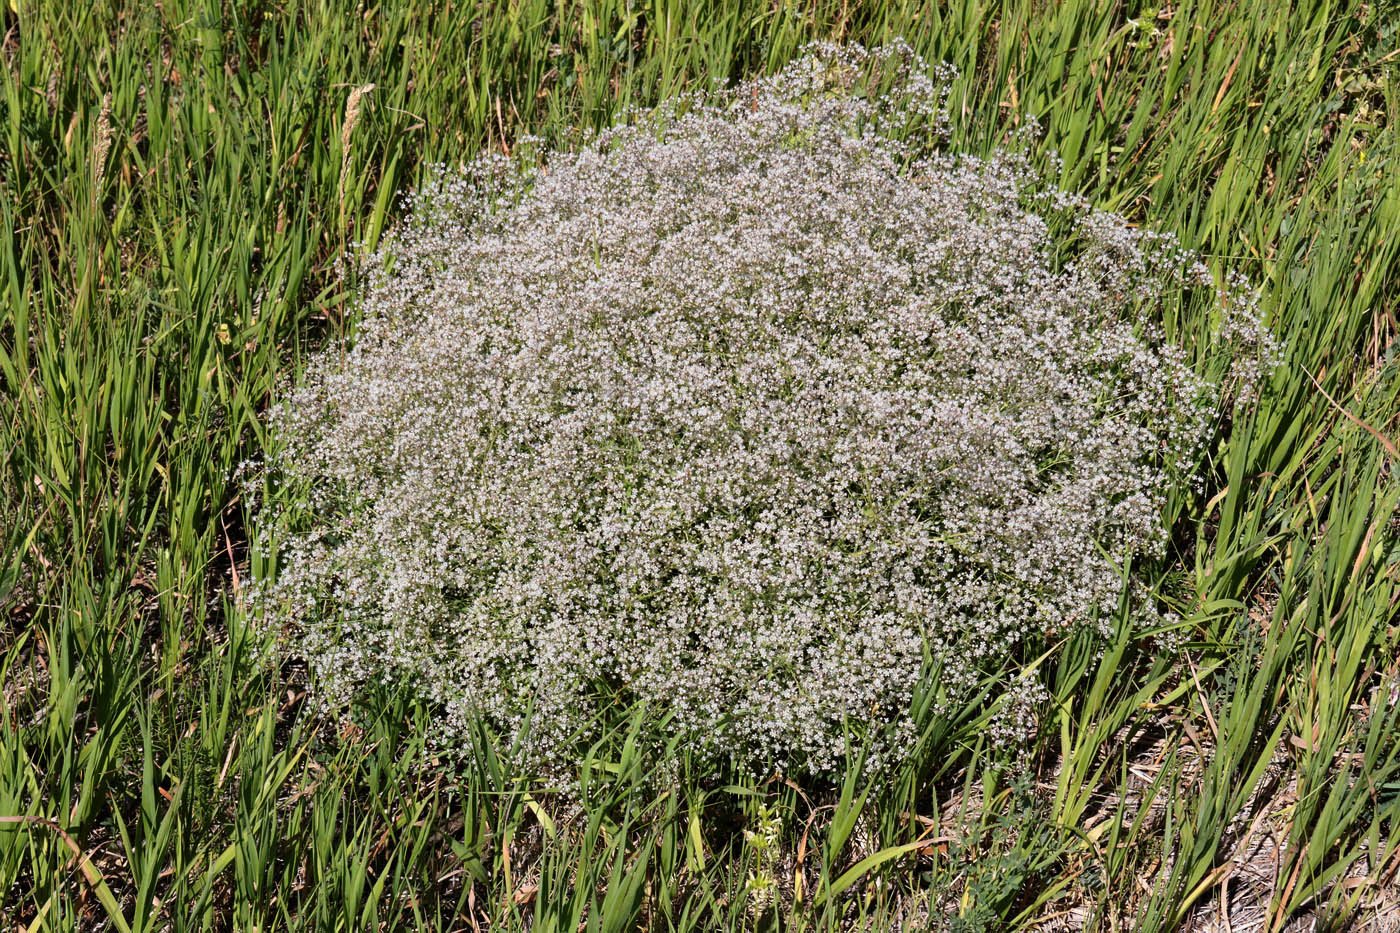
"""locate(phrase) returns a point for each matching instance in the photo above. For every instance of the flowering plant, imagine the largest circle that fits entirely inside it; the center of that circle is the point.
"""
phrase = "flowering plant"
(748, 408)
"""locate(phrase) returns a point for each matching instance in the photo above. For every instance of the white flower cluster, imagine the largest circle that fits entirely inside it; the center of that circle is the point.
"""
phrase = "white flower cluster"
(746, 409)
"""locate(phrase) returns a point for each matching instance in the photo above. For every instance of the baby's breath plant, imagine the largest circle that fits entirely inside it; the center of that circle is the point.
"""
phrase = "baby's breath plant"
(748, 409)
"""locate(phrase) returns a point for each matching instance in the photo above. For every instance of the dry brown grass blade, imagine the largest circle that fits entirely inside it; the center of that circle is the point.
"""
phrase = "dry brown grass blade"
(90, 873)
(1386, 442)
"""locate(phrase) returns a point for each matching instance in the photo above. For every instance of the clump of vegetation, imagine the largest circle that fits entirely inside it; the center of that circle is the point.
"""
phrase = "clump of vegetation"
(748, 410)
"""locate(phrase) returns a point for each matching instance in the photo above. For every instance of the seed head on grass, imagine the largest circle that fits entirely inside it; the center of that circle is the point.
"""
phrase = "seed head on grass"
(102, 144)
(743, 409)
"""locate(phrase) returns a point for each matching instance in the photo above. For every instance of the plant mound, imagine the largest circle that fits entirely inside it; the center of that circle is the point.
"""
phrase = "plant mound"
(750, 409)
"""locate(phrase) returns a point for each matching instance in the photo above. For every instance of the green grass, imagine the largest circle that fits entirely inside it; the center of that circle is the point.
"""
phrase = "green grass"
(177, 185)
